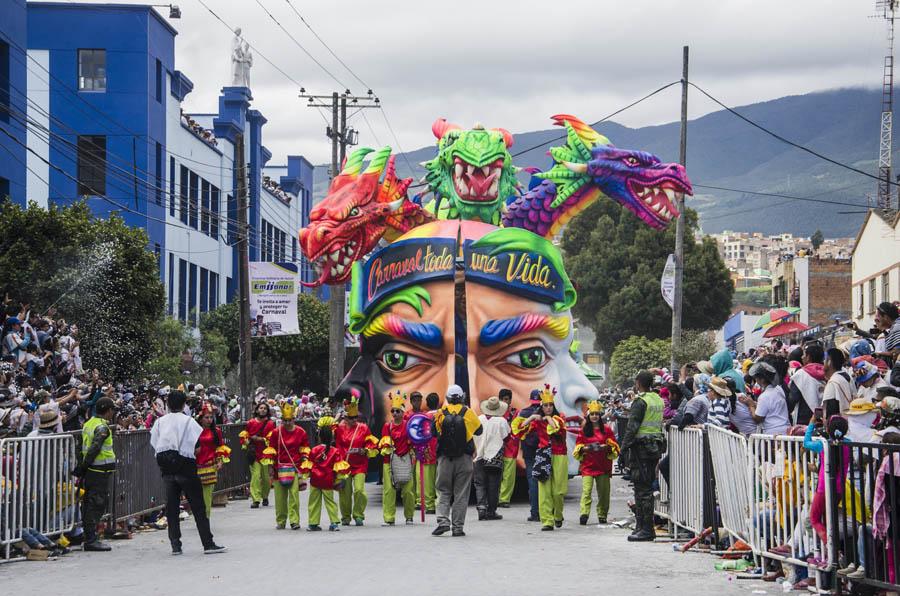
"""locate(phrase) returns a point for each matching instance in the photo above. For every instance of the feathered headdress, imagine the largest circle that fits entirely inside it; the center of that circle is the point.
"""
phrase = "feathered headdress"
(398, 400)
(548, 395)
(594, 407)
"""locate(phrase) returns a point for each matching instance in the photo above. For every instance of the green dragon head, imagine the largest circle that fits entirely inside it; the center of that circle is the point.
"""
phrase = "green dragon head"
(472, 171)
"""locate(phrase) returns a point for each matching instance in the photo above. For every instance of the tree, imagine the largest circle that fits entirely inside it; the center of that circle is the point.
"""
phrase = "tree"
(817, 239)
(695, 345)
(635, 354)
(615, 262)
(303, 357)
(96, 273)
(171, 340)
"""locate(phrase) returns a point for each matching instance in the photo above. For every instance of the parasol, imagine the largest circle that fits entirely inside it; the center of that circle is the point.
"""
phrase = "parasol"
(774, 316)
(785, 328)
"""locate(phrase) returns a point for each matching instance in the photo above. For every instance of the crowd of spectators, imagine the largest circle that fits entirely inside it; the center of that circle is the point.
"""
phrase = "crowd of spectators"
(205, 134)
(275, 189)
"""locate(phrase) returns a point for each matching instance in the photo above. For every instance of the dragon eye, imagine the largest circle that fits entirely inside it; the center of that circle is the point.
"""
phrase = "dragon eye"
(632, 161)
(354, 212)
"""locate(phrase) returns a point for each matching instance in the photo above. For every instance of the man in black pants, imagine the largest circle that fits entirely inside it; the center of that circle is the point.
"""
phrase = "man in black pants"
(529, 448)
(174, 438)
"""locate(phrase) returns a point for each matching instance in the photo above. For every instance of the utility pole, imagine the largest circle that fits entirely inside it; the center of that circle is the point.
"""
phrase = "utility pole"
(341, 137)
(244, 367)
(679, 224)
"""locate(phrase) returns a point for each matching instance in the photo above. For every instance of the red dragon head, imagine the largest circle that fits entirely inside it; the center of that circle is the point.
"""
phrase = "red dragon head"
(357, 212)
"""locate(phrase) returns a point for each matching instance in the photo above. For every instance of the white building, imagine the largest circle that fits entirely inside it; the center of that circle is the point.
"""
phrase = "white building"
(875, 266)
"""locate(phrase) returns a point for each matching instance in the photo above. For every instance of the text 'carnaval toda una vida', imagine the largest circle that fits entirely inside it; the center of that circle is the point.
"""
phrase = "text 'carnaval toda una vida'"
(520, 267)
(422, 261)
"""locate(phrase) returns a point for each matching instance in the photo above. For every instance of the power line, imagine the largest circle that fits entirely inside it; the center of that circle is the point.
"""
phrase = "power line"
(299, 45)
(780, 196)
(322, 41)
(397, 141)
(785, 140)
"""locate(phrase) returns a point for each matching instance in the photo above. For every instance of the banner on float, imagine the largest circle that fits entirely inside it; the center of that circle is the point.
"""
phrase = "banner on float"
(273, 299)
(667, 281)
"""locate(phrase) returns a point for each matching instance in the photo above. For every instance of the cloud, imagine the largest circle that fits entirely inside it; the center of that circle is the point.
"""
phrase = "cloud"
(514, 64)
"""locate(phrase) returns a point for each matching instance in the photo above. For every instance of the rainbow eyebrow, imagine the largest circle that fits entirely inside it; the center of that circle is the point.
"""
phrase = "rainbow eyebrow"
(500, 330)
(427, 334)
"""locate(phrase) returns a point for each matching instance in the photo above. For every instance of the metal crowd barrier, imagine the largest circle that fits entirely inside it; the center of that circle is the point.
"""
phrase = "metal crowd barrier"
(730, 461)
(866, 528)
(784, 480)
(686, 478)
(36, 489)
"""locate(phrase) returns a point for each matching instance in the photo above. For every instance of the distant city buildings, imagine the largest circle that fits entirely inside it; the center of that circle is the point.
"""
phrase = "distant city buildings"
(876, 266)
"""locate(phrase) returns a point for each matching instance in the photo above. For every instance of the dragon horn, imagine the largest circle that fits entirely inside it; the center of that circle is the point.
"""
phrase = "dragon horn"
(507, 136)
(442, 127)
(378, 161)
(578, 168)
(586, 134)
(353, 164)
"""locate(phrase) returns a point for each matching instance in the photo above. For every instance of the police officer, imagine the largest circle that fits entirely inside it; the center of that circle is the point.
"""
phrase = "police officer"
(98, 462)
(642, 446)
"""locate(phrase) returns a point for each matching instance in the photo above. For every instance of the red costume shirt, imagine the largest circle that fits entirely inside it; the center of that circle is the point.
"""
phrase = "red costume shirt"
(322, 475)
(207, 446)
(291, 447)
(511, 442)
(346, 438)
(596, 463)
(259, 428)
(556, 440)
(399, 438)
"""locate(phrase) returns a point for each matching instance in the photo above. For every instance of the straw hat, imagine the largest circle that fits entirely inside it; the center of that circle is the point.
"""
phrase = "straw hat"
(493, 406)
(859, 406)
(720, 386)
(49, 416)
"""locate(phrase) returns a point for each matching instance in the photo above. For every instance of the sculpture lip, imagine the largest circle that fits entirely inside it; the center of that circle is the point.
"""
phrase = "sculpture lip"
(656, 196)
(477, 184)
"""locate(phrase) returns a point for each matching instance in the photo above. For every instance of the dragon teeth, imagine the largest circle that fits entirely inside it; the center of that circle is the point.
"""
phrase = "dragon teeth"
(458, 170)
(670, 192)
(463, 187)
(648, 199)
(469, 169)
(486, 170)
(347, 260)
(339, 269)
(657, 207)
(495, 187)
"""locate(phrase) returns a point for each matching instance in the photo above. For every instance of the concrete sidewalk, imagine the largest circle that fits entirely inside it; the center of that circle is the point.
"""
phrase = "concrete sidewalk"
(510, 556)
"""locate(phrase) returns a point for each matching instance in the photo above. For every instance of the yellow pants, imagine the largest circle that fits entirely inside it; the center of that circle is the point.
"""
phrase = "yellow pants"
(316, 496)
(287, 503)
(587, 486)
(353, 497)
(207, 497)
(507, 480)
(430, 492)
(260, 482)
(389, 496)
(552, 492)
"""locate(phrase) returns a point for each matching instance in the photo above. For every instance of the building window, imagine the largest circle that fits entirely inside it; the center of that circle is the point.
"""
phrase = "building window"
(214, 216)
(4, 82)
(193, 192)
(204, 206)
(232, 227)
(172, 186)
(204, 289)
(91, 165)
(171, 276)
(183, 195)
(872, 298)
(860, 306)
(213, 290)
(4, 189)
(92, 70)
(182, 289)
(159, 81)
(886, 287)
(159, 174)
(192, 295)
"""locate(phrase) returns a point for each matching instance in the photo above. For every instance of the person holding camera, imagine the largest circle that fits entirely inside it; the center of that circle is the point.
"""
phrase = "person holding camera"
(174, 439)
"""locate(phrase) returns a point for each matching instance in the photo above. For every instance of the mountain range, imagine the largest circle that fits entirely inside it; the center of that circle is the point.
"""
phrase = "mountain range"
(726, 152)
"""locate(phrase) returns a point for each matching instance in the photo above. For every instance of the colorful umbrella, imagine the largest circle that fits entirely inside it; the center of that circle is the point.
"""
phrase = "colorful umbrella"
(785, 328)
(775, 315)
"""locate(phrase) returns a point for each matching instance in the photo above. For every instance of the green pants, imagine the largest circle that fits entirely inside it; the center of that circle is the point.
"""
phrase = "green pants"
(587, 485)
(207, 497)
(260, 482)
(430, 472)
(353, 497)
(389, 496)
(507, 480)
(552, 492)
(287, 503)
(316, 496)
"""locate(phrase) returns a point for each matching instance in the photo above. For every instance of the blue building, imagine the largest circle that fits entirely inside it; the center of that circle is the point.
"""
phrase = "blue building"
(13, 41)
(105, 106)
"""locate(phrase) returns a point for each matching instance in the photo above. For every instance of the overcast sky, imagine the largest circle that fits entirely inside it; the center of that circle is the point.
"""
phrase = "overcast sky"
(515, 63)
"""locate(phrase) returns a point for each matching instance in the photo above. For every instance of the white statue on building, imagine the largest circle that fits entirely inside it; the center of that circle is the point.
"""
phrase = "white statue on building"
(241, 61)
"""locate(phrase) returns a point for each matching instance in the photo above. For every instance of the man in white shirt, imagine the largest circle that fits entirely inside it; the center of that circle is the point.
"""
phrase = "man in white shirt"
(174, 439)
(839, 390)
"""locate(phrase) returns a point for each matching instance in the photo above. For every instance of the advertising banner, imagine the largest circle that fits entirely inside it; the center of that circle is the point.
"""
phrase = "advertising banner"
(273, 299)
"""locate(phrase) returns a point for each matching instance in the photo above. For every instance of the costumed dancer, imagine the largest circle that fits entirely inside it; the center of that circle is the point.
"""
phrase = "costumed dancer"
(595, 448)
(291, 446)
(510, 452)
(397, 464)
(551, 460)
(327, 471)
(212, 454)
(253, 438)
(356, 444)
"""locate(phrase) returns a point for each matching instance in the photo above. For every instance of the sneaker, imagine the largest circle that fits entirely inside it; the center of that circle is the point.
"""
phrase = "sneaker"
(97, 547)
(847, 570)
(254, 505)
(503, 505)
(546, 528)
(430, 511)
(176, 550)
(316, 528)
(458, 533)
(533, 518)
(860, 573)
(358, 521)
(493, 516)
(410, 522)
(334, 527)
(583, 520)
(295, 526)
(279, 526)
(345, 522)
(481, 514)
(214, 549)
(265, 502)
(559, 523)
(644, 536)
(386, 524)
(601, 520)
(440, 530)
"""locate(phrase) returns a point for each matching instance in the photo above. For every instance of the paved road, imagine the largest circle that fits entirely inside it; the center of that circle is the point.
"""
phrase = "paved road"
(510, 556)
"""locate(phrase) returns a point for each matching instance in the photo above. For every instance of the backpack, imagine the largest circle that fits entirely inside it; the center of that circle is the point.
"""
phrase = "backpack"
(452, 440)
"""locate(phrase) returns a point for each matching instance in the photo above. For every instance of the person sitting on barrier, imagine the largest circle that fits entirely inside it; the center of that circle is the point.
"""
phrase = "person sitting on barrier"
(834, 430)
(770, 410)
(98, 462)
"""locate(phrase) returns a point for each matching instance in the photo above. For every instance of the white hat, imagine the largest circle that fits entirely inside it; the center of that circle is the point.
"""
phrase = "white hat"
(455, 391)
